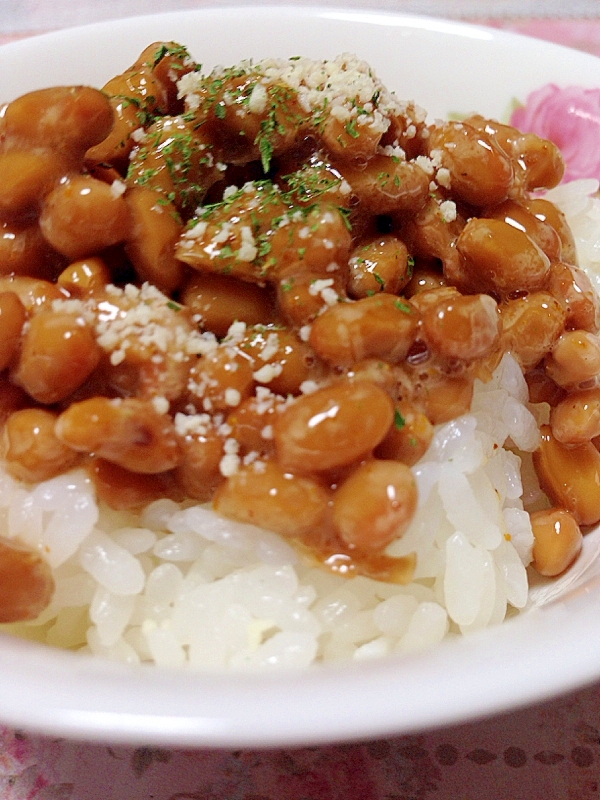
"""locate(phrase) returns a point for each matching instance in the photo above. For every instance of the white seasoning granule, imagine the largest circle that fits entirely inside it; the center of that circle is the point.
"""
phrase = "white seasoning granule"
(436, 157)
(248, 250)
(117, 357)
(330, 296)
(161, 405)
(235, 333)
(138, 135)
(209, 160)
(229, 464)
(419, 113)
(267, 432)
(231, 446)
(144, 317)
(265, 399)
(270, 347)
(341, 113)
(222, 235)
(304, 332)
(316, 287)
(267, 373)
(448, 210)
(393, 151)
(308, 387)
(202, 344)
(117, 188)
(191, 83)
(257, 102)
(192, 101)
(426, 164)
(82, 309)
(443, 177)
(189, 424)
(232, 397)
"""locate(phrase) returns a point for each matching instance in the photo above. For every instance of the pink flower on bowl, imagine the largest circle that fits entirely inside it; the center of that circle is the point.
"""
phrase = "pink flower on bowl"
(570, 118)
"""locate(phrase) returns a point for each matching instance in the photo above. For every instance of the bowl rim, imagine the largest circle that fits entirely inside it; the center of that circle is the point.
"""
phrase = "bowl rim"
(109, 701)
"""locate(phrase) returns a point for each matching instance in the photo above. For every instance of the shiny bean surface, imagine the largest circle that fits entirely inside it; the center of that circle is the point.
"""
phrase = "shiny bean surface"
(280, 359)
(319, 431)
(26, 178)
(58, 353)
(465, 328)
(381, 265)
(387, 185)
(576, 418)
(480, 172)
(570, 476)
(67, 119)
(198, 472)
(273, 498)
(574, 359)
(382, 326)
(409, 437)
(501, 258)
(219, 301)
(547, 212)
(84, 277)
(12, 319)
(375, 504)
(531, 326)
(26, 583)
(130, 433)
(153, 232)
(84, 216)
(557, 541)
(573, 288)
(538, 230)
(31, 448)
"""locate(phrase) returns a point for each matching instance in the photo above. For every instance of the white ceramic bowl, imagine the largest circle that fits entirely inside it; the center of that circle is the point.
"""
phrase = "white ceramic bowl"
(446, 67)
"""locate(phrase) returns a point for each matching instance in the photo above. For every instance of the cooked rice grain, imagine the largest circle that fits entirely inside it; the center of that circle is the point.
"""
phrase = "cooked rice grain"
(177, 585)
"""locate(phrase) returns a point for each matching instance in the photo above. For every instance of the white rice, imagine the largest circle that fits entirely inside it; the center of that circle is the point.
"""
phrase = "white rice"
(178, 586)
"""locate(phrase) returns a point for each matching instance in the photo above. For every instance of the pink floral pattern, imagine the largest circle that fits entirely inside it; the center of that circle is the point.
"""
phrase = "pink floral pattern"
(569, 117)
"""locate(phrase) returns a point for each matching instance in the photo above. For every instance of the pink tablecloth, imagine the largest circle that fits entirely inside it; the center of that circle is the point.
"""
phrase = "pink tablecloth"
(551, 751)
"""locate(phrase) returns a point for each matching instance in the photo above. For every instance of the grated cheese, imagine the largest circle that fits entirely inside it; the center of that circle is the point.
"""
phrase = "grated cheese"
(267, 373)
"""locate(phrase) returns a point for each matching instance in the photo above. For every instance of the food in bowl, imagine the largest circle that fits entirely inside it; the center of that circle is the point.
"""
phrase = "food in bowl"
(279, 358)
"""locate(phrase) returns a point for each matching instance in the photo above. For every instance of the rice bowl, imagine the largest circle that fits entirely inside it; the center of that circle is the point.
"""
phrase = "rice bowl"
(279, 621)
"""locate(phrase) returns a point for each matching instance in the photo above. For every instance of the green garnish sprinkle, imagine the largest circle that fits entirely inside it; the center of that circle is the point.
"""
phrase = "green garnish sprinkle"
(399, 421)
